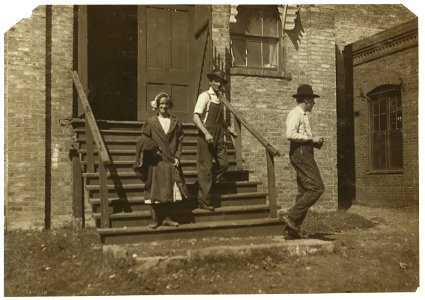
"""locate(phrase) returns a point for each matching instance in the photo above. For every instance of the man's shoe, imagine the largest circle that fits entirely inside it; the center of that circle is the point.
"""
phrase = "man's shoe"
(290, 223)
(291, 235)
(153, 225)
(206, 207)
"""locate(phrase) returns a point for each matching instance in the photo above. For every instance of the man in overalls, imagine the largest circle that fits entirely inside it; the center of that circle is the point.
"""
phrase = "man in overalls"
(209, 118)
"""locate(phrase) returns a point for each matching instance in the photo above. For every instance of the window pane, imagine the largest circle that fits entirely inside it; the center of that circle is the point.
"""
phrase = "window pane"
(399, 120)
(376, 108)
(242, 21)
(254, 54)
(383, 107)
(396, 149)
(239, 52)
(270, 21)
(393, 104)
(383, 122)
(393, 120)
(270, 55)
(254, 26)
(376, 123)
(378, 151)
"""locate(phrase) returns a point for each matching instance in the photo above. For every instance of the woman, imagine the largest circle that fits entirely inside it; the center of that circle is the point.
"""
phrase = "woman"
(165, 183)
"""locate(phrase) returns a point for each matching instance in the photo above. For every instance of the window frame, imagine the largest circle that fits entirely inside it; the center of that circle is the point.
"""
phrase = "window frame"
(257, 70)
(375, 95)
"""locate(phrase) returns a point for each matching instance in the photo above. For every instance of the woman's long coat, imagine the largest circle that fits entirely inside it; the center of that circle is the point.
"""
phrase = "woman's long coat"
(162, 172)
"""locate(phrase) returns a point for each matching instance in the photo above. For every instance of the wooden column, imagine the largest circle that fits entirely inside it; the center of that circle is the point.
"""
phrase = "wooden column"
(238, 145)
(271, 184)
(77, 186)
(104, 203)
(89, 149)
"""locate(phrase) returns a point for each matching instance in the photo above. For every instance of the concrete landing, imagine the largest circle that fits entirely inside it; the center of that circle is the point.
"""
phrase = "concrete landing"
(228, 249)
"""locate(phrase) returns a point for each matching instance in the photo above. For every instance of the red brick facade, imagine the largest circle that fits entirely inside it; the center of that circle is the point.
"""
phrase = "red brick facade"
(38, 94)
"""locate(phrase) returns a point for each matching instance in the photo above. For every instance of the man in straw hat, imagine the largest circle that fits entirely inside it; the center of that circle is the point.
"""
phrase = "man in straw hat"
(301, 153)
(209, 118)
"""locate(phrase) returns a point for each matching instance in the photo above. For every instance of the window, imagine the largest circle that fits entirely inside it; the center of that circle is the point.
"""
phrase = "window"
(386, 125)
(255, 37)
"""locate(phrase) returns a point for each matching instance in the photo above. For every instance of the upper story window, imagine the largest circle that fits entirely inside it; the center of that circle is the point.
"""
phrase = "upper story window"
(386, 128)
(255, 37)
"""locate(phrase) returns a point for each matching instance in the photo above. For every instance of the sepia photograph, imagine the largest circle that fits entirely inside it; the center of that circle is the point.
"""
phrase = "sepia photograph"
(211, 149)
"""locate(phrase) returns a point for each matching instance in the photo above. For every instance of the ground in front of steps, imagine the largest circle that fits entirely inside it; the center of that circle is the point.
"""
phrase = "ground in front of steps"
(375, 250)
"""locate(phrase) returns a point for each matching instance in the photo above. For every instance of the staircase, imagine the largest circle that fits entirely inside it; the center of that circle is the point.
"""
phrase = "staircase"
(241, 209)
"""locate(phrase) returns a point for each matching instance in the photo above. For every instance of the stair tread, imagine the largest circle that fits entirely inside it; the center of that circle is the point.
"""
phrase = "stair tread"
(133, 151)
(185, 172)
(111, 140)
(242, 195)
(112, 186)
(81, 120)
(128, 199)
(197, 211)
(192, 226)
(126, 162)
(224, 183)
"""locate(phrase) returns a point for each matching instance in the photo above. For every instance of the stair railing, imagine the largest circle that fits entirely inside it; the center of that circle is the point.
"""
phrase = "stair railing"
(271, 152)
(93, 135)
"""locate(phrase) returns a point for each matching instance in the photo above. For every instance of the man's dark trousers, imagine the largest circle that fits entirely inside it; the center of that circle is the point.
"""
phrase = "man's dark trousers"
(207, 172)
(309, 181)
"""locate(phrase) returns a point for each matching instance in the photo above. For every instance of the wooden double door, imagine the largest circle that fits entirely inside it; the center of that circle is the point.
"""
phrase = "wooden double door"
(173, 55)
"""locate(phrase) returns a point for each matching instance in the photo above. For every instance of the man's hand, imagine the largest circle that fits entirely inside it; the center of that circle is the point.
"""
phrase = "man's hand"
(208, 138)
(176, 162)
(232, 132)
(317, 142)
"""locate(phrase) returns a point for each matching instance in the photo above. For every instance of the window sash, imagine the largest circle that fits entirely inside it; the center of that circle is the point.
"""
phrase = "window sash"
(257, 46)
(386, 131)
(243, 51)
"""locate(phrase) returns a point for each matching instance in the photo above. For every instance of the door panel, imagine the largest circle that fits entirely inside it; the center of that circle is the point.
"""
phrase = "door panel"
(166, 51)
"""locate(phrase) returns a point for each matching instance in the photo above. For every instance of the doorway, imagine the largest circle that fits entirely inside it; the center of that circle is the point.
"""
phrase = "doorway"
(112, 61)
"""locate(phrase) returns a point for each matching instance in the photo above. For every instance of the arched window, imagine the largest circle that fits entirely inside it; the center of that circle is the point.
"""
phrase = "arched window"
(386, 128)
(256, 36)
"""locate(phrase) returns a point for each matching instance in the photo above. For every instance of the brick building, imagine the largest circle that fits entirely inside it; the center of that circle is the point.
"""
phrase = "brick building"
(265, 67)
(384, 97)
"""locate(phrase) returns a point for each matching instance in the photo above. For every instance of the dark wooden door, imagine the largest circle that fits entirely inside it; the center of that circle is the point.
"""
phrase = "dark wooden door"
(166, 58)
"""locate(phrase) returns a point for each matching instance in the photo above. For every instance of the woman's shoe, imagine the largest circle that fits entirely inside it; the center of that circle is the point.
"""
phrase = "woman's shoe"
(170, 223)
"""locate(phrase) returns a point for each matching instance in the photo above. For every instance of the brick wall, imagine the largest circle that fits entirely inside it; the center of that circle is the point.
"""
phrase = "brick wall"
(62, 57)
(25, 121)
(24, 124)
(388, 189)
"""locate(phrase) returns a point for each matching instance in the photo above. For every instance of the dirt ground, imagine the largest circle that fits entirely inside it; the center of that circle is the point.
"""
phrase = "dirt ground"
(376, 250)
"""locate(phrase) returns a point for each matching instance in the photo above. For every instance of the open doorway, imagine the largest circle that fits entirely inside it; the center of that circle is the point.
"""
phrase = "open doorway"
(112, 61)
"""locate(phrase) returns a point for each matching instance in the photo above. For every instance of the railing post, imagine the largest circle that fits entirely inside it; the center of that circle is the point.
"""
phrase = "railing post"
(104, 203)
(238, 144)
(89, 148)
(77, 185)
(271, 184)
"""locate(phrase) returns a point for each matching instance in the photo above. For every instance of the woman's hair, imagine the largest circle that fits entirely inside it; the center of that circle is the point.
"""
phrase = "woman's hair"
(163, 95)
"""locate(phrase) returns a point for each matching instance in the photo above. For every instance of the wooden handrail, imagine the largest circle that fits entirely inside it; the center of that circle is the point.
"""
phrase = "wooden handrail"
(101, 147)
(269, 147)
(93, 134)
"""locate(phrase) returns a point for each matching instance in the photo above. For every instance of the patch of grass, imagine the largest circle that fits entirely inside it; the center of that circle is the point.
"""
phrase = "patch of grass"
(334, 222)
